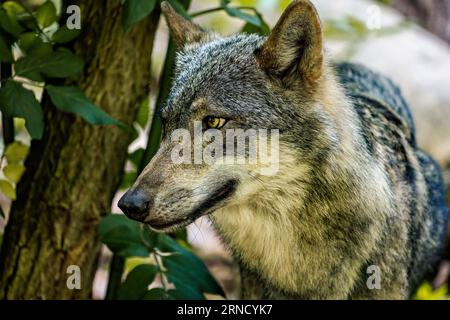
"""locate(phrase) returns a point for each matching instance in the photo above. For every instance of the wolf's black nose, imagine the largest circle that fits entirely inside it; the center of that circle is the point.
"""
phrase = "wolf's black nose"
(135, 205)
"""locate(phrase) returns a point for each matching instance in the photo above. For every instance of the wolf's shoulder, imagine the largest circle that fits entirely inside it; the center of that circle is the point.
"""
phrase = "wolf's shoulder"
(376, 95)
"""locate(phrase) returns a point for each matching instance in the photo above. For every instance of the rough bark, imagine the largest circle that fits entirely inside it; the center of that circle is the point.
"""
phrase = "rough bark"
(73, 172)
(434, 15)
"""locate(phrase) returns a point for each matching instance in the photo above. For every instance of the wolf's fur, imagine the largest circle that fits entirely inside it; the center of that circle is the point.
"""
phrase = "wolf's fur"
(352, 190)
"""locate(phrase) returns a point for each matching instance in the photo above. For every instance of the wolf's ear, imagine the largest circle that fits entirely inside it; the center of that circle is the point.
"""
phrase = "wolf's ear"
(294, 50)
(182, 30)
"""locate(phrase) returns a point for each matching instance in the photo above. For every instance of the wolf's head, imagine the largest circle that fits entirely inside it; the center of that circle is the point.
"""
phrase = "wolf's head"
(243, 82)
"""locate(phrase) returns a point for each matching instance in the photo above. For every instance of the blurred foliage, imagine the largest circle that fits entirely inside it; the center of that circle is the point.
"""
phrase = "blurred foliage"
(136, 10)
(385, 2)
(345, 28)
(282, 4)
(426, 292)
(165, 263)
(354, 31)
(15, 155)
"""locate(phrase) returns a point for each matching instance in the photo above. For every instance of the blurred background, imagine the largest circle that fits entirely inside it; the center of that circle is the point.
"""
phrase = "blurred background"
(66, 179)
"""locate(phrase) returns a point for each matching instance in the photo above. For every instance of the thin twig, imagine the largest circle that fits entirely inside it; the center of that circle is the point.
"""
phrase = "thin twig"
(161, 272)
(200, 13)
(33, 84)
(36, 24)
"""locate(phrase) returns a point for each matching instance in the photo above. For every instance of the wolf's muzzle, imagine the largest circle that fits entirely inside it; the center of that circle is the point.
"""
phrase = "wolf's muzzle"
(135, 204)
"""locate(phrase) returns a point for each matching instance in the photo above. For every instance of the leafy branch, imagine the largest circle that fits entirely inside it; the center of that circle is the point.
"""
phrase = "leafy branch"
(37, 56)
(173, 263)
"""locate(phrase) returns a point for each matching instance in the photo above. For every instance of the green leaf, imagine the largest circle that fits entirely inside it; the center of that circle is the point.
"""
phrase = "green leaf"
(13, 171)
(158, 294)
(5, 51)
(187, 271)
(2, 214)
(64, 35)
(358, 26)
(282, 4)
(20, 102)
(114, 221)
(143, 113)
(136, 157)
(136, 10)
(9, 23)
(250, 28)
(263, 30)
(72, 99)
(31, 74)
(41, 49)
(63, 64)
(134, 133)
(128, 179)
(46, 14)
(184, 290)
(28, 40)
(427, 292)
(347, 28)
(13, 8)
(16, 151)
(179, 8)
(235, 12)
(124, 236)
(7, 189)
(149, 237)
(59, 64)
(124, 244)
(136, 284)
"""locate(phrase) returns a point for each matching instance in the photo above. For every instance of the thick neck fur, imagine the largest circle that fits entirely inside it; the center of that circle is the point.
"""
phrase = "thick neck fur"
(306, 230)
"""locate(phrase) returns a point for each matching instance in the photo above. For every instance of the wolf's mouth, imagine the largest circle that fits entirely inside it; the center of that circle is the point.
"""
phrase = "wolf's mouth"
(204, 208)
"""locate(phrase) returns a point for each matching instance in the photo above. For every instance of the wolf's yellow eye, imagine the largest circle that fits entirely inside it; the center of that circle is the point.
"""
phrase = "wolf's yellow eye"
(214, 122)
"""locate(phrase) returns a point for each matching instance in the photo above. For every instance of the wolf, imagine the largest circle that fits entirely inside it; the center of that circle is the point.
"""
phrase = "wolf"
(353, 192)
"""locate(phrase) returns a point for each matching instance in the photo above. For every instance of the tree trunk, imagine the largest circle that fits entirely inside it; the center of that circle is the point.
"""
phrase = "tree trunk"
(73, 172)
(433, 15)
